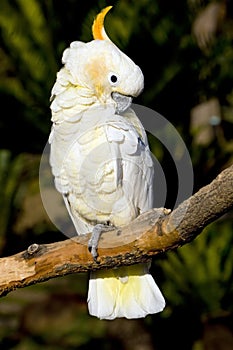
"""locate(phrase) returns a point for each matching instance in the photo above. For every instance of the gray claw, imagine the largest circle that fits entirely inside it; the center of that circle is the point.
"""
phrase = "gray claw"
(95, 237)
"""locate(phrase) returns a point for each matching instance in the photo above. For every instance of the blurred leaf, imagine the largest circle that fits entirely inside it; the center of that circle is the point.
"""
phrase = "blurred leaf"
(10, 173)
(202, 270)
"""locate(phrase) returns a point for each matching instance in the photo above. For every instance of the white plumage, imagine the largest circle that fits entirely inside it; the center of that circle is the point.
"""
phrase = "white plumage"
(102, 164)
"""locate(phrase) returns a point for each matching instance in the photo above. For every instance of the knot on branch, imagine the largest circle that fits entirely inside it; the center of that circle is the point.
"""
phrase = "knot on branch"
(34, 250)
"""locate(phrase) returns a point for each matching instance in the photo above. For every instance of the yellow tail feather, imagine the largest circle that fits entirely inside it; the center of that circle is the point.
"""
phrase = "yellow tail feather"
(128, 291)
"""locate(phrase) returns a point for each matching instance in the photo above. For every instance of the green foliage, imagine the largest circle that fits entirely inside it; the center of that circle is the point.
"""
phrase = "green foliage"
(197, 279)
(28, 67)
(10, 174)
(201, 272)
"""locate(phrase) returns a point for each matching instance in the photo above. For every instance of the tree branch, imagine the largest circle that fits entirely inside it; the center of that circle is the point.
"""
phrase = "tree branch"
(153, 232)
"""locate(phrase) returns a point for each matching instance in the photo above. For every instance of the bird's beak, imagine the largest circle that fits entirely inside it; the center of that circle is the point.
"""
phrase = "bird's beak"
(123, 101)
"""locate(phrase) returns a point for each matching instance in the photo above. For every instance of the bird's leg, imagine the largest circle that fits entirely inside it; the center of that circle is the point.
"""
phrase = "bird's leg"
(95, 237)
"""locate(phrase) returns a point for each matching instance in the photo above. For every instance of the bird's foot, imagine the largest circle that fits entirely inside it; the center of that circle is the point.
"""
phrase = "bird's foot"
(95, 237)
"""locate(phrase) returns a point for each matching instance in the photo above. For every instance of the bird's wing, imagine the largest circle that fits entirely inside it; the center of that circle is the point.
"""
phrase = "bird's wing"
(106, 173)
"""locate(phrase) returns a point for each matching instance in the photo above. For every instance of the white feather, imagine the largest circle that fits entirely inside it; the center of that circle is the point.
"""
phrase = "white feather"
(128, 292)
(102, 166)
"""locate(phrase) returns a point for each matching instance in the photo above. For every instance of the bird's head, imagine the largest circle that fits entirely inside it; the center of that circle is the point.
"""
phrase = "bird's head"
(100, 67)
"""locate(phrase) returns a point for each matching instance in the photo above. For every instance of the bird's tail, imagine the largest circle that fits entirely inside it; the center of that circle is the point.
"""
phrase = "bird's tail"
(128, 291)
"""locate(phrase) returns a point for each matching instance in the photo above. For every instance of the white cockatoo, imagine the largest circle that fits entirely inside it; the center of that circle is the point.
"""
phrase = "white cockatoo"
(102, 165)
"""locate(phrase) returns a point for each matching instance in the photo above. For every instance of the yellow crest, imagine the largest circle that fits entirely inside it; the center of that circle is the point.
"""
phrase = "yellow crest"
(98, 30)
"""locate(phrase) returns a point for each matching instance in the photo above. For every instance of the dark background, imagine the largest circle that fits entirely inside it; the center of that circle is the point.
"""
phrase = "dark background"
(185, 51)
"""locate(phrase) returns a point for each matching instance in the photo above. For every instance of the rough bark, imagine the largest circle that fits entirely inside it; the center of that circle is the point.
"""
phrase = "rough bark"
(154, 232)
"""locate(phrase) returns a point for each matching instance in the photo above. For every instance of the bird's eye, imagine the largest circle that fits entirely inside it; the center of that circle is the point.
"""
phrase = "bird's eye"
(113, 79)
